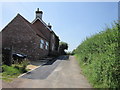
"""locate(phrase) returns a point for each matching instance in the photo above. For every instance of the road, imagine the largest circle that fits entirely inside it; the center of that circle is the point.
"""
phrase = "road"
(45, 70)
(61, 73)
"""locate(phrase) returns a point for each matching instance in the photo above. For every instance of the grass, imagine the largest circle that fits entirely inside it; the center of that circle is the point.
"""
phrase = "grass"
(13, 71)
(9, 73)
(99, 58)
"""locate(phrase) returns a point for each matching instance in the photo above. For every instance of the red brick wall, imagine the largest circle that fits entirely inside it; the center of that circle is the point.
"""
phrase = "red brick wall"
(42, 28)
(46, 32)
(23, 39)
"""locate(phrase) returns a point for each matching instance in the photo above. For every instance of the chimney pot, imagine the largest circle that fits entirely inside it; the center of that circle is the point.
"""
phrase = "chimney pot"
(37, 9)
(49, 25)
(39, 14)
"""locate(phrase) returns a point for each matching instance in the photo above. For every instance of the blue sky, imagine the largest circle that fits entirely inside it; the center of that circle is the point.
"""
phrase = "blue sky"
(71, 21)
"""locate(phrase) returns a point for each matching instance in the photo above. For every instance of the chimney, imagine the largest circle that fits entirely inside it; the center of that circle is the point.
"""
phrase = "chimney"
(49, 25)
(39, 14)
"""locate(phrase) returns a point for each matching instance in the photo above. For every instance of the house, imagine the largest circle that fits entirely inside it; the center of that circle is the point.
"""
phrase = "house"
(36, 39)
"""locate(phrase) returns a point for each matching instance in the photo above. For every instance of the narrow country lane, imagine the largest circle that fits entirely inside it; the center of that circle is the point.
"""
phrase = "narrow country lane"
(62, 73)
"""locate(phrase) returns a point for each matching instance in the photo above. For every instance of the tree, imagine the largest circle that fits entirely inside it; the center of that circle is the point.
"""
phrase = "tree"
(63, 46)
(73, 52)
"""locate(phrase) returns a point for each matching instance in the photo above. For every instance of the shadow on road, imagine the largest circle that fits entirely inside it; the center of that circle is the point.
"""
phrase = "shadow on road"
(50, 62)
(64, 57)
(46, 69)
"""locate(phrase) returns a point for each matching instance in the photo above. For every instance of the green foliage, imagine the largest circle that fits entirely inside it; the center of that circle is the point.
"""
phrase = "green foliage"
(21, 66)
(70, 53)
(99, 58)
(63, 45)
(73, 52)
(9, 72)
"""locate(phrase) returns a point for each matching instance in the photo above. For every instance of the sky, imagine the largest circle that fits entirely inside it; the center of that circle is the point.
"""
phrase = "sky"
(71, 21)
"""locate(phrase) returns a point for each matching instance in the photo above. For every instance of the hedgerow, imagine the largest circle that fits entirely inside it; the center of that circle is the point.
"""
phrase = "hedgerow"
(99, 58)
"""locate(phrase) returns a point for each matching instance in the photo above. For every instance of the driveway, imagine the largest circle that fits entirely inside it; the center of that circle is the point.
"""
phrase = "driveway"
(63, 72)
(45, 70)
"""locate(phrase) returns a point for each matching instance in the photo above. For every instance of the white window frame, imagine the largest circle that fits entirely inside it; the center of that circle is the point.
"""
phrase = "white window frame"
(42, 44)
(53, 46)
(53, 36)
(46, 45)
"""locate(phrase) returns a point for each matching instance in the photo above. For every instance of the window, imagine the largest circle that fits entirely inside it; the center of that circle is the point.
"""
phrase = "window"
(41, 44)
(42, 41)
(47, 45)
(53, 36)
(52, 47)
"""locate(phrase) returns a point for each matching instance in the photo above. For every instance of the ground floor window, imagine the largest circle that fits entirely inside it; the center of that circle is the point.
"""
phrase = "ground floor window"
(42, 44)
(47, 45)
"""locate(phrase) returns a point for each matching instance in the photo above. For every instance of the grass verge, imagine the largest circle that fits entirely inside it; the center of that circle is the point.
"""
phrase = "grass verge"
(13, 71)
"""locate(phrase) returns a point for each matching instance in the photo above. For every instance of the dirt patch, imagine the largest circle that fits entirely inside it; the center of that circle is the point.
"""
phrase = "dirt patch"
(35, 64)
(30, 67)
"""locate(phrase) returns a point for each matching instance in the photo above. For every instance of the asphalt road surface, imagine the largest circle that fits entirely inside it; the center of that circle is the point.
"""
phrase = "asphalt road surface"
(64, 72)
(45, 70)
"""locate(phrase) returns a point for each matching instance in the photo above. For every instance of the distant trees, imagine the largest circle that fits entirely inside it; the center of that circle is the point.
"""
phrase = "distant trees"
(62, 47)
(73, 52)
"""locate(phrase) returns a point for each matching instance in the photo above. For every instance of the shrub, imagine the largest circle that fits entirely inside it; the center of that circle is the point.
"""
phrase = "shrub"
(8, 70)
(21, 66)
(15, 69)
(99, 57)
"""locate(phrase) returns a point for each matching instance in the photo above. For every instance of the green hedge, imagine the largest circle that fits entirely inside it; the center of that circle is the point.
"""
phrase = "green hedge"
(99, 58)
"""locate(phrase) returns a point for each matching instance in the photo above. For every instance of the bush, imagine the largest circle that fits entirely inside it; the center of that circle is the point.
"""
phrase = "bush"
(8, 70)
(99, 58)
(21, 66)
(15, 69)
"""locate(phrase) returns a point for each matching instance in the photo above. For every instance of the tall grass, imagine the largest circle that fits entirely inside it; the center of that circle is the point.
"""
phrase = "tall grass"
(99, 58)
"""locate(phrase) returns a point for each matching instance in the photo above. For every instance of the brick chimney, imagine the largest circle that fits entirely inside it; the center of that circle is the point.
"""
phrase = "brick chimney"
(39, 14)
(49, 25)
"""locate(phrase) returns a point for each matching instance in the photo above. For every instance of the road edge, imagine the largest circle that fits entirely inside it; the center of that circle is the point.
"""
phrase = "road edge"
(31, 70)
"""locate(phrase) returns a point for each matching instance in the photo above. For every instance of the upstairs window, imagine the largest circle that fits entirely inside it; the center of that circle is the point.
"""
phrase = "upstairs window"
(53, 36)
(53, 47)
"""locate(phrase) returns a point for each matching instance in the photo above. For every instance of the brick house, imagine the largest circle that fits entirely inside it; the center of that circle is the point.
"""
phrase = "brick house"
(36, 39)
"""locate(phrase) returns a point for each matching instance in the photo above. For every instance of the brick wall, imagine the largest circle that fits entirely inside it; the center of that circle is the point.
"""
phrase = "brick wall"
(23, 39)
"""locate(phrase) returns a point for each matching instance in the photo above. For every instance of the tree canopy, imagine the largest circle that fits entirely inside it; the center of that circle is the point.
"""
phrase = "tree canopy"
(62, 47)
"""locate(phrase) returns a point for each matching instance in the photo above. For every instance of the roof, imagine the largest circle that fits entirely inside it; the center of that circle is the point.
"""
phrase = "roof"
(35, 29)
(42, 28)
(32, 27)
(41, 22)
(49, 29)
